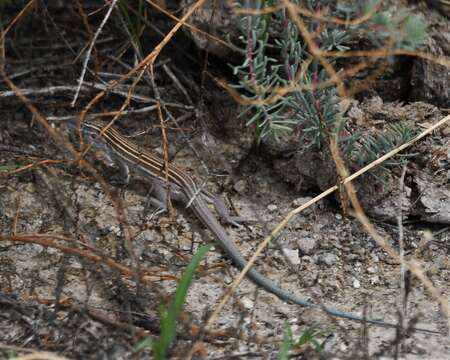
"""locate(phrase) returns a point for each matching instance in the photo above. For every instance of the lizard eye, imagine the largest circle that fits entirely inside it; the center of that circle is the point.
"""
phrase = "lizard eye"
(89, 137)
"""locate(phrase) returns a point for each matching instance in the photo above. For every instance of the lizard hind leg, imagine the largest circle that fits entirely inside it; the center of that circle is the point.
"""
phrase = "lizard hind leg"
(112, 161)
(158, 197)
(223, 211)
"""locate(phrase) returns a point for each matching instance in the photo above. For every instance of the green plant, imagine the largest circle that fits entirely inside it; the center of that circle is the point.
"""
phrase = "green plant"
(11, 354)
(276, 56)
(132, 16)
(374, 146)
(8, 167)
(308, 337)
(169, 316)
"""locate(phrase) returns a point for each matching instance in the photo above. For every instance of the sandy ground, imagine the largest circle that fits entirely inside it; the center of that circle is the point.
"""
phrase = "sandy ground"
(321, 255)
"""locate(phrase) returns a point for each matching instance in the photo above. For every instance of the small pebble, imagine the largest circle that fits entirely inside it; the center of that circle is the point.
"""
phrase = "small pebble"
(328, 259)
(301, 201)
(356, 284)
(248, 304)
(272, 207)
(240, 186)
(307, 245)
(292, 255)
(30, 188)
(116, 230)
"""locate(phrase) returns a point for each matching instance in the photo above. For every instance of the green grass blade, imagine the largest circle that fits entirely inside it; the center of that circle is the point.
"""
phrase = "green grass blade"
(7, 168)
(169, 316)
(286, 344)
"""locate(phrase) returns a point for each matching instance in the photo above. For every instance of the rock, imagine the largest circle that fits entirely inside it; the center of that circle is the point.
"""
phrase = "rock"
(248, 304)
(306, 245)
(216, 18)
(303, 200)
(356, 113)
(328, 259)
(30, 188)
(292, 256)
(443, 6)
(240, 186)
(433, 202)
(430, 81)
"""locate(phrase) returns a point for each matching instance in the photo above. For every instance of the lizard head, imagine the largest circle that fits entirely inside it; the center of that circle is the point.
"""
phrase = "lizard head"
(93, 131)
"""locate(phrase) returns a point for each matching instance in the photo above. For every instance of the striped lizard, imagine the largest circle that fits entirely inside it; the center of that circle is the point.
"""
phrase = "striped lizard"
(124, 153)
